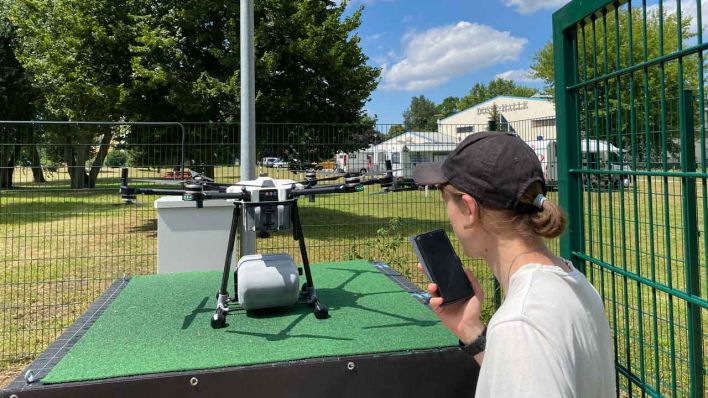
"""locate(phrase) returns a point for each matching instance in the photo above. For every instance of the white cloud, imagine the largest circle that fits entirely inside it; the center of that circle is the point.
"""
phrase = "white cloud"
(531, 6)
(375, 36)
(687, 9)
(435, 56)
(518, 75)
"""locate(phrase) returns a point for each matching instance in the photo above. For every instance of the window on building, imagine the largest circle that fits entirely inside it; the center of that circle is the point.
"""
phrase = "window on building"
(395, 157)
(544, 122)
(465, 129)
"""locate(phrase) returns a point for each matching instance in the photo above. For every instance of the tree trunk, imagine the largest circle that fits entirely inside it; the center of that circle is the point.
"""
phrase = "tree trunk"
(7, 166)
(100, 157)
(37, 173)
(76, 162)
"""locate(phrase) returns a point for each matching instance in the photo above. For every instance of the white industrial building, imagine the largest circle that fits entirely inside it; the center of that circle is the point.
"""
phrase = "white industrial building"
(532, 118)
(404, 151)
(529, 117)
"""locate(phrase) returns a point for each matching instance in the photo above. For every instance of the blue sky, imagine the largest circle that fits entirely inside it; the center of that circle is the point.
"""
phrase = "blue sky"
(441, 48)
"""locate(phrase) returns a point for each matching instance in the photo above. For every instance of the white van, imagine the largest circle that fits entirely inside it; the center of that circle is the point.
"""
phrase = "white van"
(269, 161)
(547, 152)
(597, 155)
(361, 162)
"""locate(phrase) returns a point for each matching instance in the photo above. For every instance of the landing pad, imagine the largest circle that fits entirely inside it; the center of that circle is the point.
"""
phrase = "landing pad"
(152, 335)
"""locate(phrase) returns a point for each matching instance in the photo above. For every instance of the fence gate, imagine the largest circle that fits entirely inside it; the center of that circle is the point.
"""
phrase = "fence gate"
(631, 113)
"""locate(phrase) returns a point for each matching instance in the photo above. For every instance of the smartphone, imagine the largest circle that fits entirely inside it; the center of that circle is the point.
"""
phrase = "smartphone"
(442, 265)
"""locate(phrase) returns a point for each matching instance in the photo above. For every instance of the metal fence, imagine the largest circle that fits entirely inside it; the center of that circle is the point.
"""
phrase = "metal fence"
(631, 76)
(65, 234)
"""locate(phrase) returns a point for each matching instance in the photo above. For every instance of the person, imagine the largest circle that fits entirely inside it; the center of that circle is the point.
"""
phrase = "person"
(550, 336)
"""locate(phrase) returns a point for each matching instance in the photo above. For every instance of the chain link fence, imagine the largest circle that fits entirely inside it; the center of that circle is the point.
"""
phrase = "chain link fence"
(630, 76)
(66, 235)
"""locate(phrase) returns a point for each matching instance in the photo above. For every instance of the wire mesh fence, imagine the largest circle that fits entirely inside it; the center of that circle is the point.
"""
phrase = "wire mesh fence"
(66, 235)
(631, 103)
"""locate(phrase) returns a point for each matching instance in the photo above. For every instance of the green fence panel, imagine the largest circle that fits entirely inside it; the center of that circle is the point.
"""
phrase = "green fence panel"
(630, 103)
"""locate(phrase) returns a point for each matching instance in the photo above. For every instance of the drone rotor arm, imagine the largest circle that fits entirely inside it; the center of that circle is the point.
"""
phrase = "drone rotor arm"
(326, 189)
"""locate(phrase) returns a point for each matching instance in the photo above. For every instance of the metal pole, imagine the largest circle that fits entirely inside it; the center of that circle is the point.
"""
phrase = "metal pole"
(248, 114)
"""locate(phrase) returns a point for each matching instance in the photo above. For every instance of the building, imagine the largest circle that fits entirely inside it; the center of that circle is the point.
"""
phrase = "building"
(530, 118)
(404, 151)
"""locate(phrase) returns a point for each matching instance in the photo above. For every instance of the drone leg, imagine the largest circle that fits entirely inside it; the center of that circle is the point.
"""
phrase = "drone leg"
(308, 288)
(218, 319)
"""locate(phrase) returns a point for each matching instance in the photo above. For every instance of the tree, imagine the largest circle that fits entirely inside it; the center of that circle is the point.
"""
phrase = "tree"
(421, 115)
(481, 92)
(448, 106)
(170, 60)
(612, 99)
(309, 69)
(75, 53)
(394, 131)
(17, 99)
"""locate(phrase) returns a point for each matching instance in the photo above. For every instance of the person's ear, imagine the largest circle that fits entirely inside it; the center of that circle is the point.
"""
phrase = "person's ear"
(471, 210)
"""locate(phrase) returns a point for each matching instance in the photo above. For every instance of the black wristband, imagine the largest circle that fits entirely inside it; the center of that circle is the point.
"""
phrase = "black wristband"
(477, 345)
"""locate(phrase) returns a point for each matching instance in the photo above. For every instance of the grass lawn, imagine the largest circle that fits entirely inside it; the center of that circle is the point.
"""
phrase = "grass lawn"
(59, 249)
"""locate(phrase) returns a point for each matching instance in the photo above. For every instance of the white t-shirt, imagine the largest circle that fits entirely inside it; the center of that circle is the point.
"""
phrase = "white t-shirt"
(550, 338)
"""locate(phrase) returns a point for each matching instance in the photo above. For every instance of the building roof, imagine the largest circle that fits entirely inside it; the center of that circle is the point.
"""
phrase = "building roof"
(420, 141)
(492, 100)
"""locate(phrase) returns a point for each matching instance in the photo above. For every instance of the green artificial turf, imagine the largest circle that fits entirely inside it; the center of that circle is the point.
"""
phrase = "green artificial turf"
(160, 323)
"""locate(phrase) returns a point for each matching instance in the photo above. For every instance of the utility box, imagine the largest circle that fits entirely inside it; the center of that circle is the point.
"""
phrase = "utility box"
(192, 239)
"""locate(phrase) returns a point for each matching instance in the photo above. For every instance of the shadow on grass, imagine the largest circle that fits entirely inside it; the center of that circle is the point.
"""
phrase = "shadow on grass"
(149, 226)
(335, 299)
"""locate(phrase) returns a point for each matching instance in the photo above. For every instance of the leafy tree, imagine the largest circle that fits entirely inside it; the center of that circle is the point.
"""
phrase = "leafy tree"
(17, 98)
(612, 99)
(309, 67)
(482, 92)
(170, 60)
(421, 115)
(449, 106)
(75, 52)
(395, 130)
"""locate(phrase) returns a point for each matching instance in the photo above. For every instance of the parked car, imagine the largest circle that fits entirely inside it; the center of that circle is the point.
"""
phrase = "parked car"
(268, 161)
(280, 164)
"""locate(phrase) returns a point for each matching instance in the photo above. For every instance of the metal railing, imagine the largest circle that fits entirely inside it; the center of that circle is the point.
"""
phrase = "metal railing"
(65, 234)
(630, 76)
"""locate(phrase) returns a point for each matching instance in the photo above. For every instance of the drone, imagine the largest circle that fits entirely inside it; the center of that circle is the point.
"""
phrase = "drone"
(264, 205)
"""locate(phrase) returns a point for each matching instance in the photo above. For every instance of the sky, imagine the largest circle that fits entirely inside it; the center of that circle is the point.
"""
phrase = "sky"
(442, 48)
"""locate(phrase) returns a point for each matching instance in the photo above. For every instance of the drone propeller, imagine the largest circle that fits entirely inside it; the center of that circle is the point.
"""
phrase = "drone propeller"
(161, 181)
(196, 178)
(390, 189)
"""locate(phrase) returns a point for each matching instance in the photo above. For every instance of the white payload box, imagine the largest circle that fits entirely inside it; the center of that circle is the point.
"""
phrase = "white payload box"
(267, 281)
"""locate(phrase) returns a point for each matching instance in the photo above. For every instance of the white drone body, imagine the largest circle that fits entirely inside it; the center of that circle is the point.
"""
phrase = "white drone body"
(270, 280)
(264, 190)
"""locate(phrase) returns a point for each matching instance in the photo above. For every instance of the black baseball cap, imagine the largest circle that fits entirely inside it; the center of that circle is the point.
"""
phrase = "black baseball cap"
(496, 168)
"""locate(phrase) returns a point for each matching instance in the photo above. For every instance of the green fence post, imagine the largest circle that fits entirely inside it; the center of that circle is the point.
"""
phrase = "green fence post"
(569, 185)
(690, 244)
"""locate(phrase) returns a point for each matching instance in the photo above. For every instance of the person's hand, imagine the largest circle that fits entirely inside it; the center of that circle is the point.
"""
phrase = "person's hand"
(463, 317)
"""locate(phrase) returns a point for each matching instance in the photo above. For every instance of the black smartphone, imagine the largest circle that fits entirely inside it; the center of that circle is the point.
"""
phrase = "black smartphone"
(442, 265)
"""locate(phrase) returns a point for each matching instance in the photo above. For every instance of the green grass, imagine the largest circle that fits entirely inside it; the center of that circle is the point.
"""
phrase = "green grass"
(59, 249)
(645, 237)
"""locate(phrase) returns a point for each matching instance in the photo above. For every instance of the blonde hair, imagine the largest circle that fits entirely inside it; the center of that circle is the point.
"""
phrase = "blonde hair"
(548, 223)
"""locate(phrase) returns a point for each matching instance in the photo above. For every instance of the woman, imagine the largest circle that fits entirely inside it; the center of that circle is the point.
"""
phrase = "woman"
(550, 337)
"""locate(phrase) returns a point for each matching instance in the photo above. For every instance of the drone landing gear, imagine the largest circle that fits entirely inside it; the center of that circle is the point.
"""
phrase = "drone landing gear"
(307, 295)
(320, 310)
(218, 320)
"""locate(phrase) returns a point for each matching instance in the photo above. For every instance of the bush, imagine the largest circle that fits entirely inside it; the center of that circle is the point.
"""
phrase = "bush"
(116, 158)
